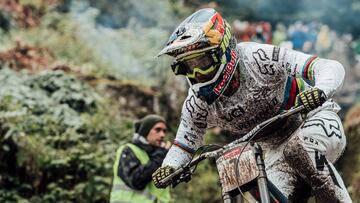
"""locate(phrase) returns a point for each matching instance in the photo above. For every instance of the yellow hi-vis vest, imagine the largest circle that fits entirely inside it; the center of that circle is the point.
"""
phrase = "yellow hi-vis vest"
(121, 193)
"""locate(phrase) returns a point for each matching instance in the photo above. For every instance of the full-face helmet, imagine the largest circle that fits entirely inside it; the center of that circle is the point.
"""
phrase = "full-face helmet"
(205, 52)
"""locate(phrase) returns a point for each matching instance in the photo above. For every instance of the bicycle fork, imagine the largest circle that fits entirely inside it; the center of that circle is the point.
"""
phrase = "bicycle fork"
(262, 181)
(262, 178)
(226, 197)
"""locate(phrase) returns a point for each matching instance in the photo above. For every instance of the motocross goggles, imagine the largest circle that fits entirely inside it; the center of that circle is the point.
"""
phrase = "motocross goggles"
(203, 63)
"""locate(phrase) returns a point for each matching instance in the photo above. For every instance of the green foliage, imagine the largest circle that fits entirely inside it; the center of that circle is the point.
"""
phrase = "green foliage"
(129, 52)
(122, 13)
(11, 196)
(5, 22)
(56, 34)
(36, 3)
(66, 90)
(57, 139)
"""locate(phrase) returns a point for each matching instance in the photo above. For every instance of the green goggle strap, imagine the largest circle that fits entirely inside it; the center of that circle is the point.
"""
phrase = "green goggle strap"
(199, 70)
(176, 69)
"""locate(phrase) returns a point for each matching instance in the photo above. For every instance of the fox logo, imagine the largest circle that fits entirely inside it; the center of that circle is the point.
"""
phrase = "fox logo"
(263, 62)
(331, 127)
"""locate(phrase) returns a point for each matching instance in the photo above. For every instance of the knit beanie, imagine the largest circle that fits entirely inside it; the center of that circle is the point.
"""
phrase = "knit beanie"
(144, 125)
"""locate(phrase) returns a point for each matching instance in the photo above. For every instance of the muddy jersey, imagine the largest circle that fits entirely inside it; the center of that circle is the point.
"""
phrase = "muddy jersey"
(270, 79)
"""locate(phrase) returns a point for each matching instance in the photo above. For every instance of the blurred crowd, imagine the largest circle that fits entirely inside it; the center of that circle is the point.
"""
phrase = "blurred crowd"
(311, 38)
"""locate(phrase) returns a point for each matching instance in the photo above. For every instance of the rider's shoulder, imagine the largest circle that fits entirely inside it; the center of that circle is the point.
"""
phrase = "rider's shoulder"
(253, 46)
(247, 44)
(193, 100)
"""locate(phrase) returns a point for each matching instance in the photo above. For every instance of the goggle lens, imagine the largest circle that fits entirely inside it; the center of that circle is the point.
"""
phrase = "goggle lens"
(203, 63)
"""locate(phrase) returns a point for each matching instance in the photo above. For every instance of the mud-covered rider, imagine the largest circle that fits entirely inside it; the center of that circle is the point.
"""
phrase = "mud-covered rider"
(237, 86)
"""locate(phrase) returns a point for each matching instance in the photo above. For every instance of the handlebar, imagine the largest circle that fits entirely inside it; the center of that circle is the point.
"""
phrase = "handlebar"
(265, 123)
(186, 167)
(184, 173)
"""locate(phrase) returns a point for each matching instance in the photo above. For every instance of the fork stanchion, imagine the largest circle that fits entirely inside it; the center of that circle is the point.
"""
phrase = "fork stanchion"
(262, 179)
(226, 197)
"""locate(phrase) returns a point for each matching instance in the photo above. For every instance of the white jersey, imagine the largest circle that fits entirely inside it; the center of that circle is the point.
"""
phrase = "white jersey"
(270, 79)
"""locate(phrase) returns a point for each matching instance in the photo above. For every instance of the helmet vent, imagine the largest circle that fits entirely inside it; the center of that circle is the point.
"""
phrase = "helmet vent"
(185, 37)
(215, 24)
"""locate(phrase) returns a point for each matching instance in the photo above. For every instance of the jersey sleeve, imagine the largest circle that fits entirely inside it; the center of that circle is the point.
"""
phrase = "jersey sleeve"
(327, 75)
(190, 134)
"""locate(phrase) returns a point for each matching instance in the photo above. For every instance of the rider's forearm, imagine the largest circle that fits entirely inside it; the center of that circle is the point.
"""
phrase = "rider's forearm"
(176, 157)
(184, 145)
(328, 75)
(190, 134)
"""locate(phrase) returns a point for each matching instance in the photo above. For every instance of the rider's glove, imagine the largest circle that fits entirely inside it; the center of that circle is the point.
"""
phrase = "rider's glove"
(160, 174)
(311, 99)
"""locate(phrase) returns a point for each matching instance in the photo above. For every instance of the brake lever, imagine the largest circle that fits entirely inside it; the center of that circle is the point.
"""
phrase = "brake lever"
(184, 177)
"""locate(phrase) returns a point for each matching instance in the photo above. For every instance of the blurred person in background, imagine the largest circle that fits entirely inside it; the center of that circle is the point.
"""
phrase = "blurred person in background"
(297, 36)
(137, 160)
(242, 30)
(310, 31)
(324, 41)
(258, 37)
(267, 32)
(279, 35)
(237, 86)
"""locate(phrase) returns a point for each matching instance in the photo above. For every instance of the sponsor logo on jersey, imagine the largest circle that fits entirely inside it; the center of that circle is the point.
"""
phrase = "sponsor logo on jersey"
(229, 69)
(275, 54)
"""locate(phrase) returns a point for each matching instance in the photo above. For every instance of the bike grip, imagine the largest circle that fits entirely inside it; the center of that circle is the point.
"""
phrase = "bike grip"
(183, 168)
(171, 176)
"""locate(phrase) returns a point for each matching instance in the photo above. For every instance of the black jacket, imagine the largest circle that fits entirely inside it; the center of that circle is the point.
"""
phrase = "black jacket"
(130, 170)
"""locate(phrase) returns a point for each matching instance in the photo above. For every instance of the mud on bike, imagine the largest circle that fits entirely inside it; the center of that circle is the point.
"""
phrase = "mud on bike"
(240, 165)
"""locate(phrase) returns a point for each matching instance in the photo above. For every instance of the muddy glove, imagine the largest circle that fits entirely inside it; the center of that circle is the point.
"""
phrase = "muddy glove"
(160, 174)
(311, 99)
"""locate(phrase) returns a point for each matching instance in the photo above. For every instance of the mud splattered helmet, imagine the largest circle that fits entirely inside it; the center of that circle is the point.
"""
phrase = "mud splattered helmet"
(205, 52)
